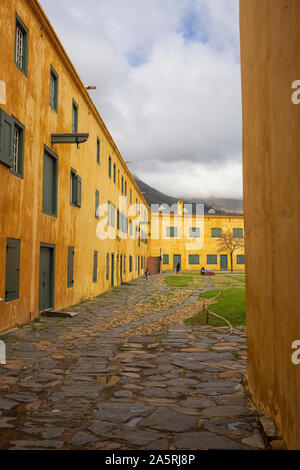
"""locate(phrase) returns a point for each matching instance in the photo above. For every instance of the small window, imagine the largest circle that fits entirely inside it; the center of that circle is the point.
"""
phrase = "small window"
(74, 117)
(21, 45)
(212, 259)
(71, 253)
(12, 270)
(107, 267)
(172, 232)
(131, 196)
(238, 233)
(240, 259)
(194, 232)
(109, 167)
(194, 259)
(50, 183)
(98, 150)
(115, 173)
(130, 264)
(18, 149)
(53, 99)
(216, 232)
(97, 204)
(95, 267)
(75, 189)
(122, 185)
(166, 259)
(125, 188)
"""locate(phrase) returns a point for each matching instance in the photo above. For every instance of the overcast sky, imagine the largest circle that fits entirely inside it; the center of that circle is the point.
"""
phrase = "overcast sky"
(168, 85)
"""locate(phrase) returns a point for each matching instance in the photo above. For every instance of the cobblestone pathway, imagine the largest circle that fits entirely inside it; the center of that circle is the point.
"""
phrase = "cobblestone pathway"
(126, 373)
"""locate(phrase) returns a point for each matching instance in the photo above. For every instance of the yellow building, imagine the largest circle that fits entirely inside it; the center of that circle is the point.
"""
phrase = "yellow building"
(194, 241)
(52, 249)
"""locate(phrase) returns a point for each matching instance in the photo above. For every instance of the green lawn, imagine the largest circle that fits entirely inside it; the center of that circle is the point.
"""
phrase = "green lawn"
(228, 280)
(231, 306)
(186, 280)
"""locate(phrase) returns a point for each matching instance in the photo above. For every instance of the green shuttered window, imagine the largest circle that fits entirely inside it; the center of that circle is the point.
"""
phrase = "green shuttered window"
(240, 259)
(12, 270)
(238, 233)
(50, 183)
(194, 259)
(21, 45)
(6, 138)
(74, 117)
(130, 264)
(109, 167)
(212, 259)
(107, 267)
(216, 232)
(71, 254)
(166, 259)
(171, 232)
(53, 93)
(95, 267)
(98, 150)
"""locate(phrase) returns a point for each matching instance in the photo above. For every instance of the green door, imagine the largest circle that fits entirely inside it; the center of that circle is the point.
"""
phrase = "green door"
(224, 262)
(112, 270)
(46, 282)
(176, 260)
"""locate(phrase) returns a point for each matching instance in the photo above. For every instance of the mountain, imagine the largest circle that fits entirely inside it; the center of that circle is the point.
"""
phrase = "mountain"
(220, 205)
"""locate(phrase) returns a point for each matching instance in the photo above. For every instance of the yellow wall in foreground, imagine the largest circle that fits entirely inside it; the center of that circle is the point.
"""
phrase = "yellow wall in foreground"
(185, 246)
(21, 215)
(270, 38)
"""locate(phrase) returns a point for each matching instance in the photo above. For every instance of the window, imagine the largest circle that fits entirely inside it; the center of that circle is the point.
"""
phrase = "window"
(194, 259)
(12, 134)
(122, 185)
(21, 45)
(216, 232)
(212, 259)
(97, 204)
(115, 173)
(18, 149)
(125, 188)
(50, 183)
(107, 267)
(194, 232)
(74, 117)
(130, 264)
(98, 150)
(53, 98)
(238, 233)
(166, 259)
(71, 253)
(12, 270)
(75, 189)
(95, 267)
(240, 259)
(131, 196)
(109, 167)
(172, 232)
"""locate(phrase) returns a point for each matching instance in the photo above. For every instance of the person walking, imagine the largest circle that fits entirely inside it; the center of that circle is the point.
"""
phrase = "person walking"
(147, 274)
(178, 267)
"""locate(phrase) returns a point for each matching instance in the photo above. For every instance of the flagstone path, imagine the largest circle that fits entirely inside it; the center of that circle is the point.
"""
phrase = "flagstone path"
(127, 373)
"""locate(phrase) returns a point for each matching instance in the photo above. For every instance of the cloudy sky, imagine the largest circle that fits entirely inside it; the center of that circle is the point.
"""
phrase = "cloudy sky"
(168, 85)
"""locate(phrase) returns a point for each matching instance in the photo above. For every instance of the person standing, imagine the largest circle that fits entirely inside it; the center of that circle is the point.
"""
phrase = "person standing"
(178, 267)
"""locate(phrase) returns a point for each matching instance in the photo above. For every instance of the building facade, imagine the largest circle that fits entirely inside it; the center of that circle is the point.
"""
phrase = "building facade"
(196, 241)
(270, 38)
(72, 218)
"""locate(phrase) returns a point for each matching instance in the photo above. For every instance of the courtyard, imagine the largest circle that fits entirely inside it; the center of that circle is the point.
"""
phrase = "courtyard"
(136, 368)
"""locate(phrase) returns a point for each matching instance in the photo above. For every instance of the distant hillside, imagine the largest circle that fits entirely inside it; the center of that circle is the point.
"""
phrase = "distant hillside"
(153, 196)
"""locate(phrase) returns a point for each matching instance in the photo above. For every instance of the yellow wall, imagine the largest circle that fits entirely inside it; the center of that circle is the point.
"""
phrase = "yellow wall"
(270, 38)
(21, 215)
(185, 246)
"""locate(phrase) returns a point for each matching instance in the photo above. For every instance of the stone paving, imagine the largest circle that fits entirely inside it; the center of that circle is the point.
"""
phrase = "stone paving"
(95, 382)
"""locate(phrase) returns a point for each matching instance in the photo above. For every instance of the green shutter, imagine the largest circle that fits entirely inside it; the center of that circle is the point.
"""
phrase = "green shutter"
(12, 270)
(71, 253)
(98, 151)
(6, 138)
(238, 233)
(107, 267)
(166, 259)
(212, 259)
(240, 259)
(95, 269)
(194, 259)
(216, 232)
(78, 190)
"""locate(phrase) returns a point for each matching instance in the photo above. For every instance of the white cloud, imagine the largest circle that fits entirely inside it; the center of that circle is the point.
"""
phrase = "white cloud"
(168, 79)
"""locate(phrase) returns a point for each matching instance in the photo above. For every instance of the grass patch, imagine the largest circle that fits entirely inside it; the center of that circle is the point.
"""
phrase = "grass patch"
(225, 280)
(209, 294)
(231, 306)
(179, 281)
